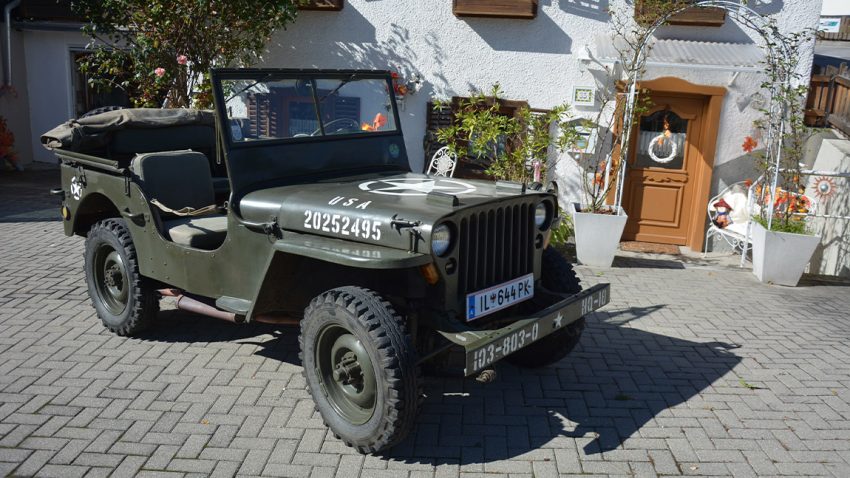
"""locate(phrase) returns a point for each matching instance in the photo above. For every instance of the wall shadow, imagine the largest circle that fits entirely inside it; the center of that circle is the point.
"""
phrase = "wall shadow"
(593, 9)
(522, 35)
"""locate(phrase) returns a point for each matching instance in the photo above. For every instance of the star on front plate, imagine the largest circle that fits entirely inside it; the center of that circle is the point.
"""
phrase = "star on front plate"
(558, 320)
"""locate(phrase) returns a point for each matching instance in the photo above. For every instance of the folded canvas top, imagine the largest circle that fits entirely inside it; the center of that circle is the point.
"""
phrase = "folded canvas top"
(95, 132)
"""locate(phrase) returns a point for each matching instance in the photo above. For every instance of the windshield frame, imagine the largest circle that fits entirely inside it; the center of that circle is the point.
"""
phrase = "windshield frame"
(217, 75)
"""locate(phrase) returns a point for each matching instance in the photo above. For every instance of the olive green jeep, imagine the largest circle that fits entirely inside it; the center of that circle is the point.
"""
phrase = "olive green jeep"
(294, 202)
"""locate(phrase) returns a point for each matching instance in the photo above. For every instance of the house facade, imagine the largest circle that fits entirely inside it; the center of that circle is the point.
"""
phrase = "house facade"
(704, 75)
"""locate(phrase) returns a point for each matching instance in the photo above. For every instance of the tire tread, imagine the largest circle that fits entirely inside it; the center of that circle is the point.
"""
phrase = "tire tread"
(389, 335)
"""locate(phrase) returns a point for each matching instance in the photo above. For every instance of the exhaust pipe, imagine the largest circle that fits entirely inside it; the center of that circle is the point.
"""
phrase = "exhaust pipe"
(195, 306)
(191, 305)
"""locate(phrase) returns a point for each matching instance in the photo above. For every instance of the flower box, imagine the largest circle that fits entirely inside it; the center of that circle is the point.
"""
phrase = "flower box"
(525, 9)
(323, 5)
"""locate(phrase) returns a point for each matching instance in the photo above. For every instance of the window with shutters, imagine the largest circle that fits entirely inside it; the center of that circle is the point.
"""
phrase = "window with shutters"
(697, 16)
(469, 166)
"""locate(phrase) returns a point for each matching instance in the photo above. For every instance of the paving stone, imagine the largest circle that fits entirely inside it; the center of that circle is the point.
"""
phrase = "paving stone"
(666, 378)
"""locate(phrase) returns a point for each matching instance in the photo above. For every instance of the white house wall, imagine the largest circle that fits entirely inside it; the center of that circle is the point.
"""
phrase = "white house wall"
(48, 66)
(533, 60)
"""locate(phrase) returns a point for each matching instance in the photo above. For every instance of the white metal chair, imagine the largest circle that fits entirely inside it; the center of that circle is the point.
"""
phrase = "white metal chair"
(741, 198)
(443, 163)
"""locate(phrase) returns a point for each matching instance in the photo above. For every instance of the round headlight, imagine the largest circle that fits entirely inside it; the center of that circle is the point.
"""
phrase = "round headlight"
(441, 239)
(541, 216)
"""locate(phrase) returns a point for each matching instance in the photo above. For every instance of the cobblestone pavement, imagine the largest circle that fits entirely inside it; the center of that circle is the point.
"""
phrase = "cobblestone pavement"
(689, 371)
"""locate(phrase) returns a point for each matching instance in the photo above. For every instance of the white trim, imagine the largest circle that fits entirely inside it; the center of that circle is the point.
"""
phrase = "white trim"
(693, 66)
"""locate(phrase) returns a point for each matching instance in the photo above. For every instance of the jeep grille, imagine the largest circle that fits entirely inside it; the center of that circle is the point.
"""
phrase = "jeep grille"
(496, 245)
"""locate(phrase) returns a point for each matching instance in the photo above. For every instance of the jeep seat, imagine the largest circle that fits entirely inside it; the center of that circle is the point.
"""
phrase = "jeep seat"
(181, 179)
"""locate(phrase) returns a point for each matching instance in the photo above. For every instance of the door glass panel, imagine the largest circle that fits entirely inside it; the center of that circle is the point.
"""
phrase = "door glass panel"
(661, 141)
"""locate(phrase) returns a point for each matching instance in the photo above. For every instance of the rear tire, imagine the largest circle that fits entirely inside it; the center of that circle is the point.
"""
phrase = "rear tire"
(558, 276)
(125, 301)
(360, 367)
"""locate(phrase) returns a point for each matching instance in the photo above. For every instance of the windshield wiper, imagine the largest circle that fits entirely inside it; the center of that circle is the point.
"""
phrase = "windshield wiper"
(234, 95)
(340, 85)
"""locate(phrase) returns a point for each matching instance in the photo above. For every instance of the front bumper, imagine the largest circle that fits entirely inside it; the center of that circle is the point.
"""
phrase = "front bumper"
(485, 347)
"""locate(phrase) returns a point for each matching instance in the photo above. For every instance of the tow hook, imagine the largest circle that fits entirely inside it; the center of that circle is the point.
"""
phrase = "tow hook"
(486, 376)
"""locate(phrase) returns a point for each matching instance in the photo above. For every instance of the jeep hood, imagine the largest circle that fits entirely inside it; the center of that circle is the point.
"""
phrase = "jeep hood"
(388, 206)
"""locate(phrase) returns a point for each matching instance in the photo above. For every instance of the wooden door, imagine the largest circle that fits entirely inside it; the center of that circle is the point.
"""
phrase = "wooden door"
(661, 181)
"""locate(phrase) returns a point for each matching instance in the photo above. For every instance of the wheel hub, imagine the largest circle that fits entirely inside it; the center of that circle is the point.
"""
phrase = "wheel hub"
(348, 371)
(348, 378)
(111, 279)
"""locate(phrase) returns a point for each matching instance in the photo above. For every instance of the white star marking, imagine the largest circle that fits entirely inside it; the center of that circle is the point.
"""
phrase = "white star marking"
(558, 320)
(416, 186)
(76, 188)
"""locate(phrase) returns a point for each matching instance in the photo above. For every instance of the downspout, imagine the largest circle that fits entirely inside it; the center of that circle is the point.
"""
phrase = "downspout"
(7, 17)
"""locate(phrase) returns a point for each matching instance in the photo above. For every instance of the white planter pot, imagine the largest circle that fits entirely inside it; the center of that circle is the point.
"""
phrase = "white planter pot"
(597, 236)
(781, 257)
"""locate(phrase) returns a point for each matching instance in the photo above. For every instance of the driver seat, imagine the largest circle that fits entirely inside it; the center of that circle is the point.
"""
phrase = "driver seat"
(180, 179)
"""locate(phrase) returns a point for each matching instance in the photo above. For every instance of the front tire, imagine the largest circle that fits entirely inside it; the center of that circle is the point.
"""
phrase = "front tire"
(360, 367)
(558, 276)
(125, 301)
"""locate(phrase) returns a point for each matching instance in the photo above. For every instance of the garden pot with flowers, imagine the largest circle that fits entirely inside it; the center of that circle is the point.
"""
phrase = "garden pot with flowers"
(600, 219)
(598, 225)
(782, 244)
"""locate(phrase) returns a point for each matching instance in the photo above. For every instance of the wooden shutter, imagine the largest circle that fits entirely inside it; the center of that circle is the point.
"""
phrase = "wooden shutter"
(524, 9)
(435, 120)
(265, 115)
(348, 107)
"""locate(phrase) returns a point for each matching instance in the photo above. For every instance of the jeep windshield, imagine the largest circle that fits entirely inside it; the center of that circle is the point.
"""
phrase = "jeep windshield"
(288, 107)
(280, 126)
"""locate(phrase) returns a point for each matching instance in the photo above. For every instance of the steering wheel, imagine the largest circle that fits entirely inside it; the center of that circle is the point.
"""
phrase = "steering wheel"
(339, 124)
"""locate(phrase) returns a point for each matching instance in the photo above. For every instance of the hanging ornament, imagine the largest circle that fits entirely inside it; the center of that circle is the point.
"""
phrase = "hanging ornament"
(660, 140)
(824, 188)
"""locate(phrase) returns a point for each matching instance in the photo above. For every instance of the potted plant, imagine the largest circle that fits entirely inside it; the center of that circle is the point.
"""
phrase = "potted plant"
(782, 245)
(600, 219)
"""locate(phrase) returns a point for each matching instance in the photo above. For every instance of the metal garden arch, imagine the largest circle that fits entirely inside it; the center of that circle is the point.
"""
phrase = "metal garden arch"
(778, 51)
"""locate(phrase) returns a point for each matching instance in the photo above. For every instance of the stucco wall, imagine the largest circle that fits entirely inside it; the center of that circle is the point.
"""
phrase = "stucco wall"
(532, 60)
(48, 65)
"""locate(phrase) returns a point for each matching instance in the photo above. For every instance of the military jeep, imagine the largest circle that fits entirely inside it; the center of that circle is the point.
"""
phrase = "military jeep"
(294, 202)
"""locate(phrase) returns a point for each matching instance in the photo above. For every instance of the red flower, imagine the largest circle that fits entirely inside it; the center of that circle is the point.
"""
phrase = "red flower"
(749, 144)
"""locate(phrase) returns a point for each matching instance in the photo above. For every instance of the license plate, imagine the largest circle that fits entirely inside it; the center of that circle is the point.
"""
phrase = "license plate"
(487, 301)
